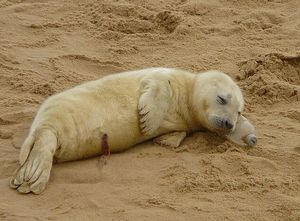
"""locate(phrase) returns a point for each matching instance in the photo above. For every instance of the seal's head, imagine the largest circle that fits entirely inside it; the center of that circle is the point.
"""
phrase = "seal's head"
(217, 101)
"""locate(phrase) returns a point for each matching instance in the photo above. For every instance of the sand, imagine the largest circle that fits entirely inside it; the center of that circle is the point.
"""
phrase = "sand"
(47, 46)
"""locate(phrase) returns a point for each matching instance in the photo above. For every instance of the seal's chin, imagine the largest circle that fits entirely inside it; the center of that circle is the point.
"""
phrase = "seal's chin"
(221, 131)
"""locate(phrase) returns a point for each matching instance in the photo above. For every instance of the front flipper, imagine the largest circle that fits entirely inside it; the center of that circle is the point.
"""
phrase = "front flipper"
(243, 134)
(171, 140)
(154, 102)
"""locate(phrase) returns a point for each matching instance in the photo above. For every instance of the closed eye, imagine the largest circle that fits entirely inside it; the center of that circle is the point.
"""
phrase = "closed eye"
(221, 100)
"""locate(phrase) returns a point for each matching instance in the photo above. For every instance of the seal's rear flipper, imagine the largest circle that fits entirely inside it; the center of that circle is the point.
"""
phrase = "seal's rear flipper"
(36, 159)
(243, 134)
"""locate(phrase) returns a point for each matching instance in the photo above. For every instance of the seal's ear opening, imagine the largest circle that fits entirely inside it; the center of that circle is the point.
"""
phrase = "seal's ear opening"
(244, 133)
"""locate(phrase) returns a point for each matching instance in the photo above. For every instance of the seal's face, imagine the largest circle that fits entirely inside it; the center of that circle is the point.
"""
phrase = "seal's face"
(222, 111)
(218, 101)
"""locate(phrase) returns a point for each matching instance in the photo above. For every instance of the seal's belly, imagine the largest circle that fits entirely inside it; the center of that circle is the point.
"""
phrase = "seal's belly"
(88, 142)
(90, 113)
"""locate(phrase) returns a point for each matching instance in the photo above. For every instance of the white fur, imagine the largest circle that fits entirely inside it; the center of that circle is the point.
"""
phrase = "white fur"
(130, 107)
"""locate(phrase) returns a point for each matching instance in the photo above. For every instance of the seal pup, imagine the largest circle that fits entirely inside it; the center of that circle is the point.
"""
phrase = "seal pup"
(128, 108)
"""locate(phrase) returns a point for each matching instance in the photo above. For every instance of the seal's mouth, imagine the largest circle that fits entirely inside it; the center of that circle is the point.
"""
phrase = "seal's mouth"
(221, 126)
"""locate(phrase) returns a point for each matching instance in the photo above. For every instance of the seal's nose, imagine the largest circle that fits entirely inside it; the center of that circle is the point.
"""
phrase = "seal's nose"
(227, 125)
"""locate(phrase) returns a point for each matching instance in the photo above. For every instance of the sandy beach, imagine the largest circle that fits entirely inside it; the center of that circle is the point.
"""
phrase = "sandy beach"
(47, 46)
